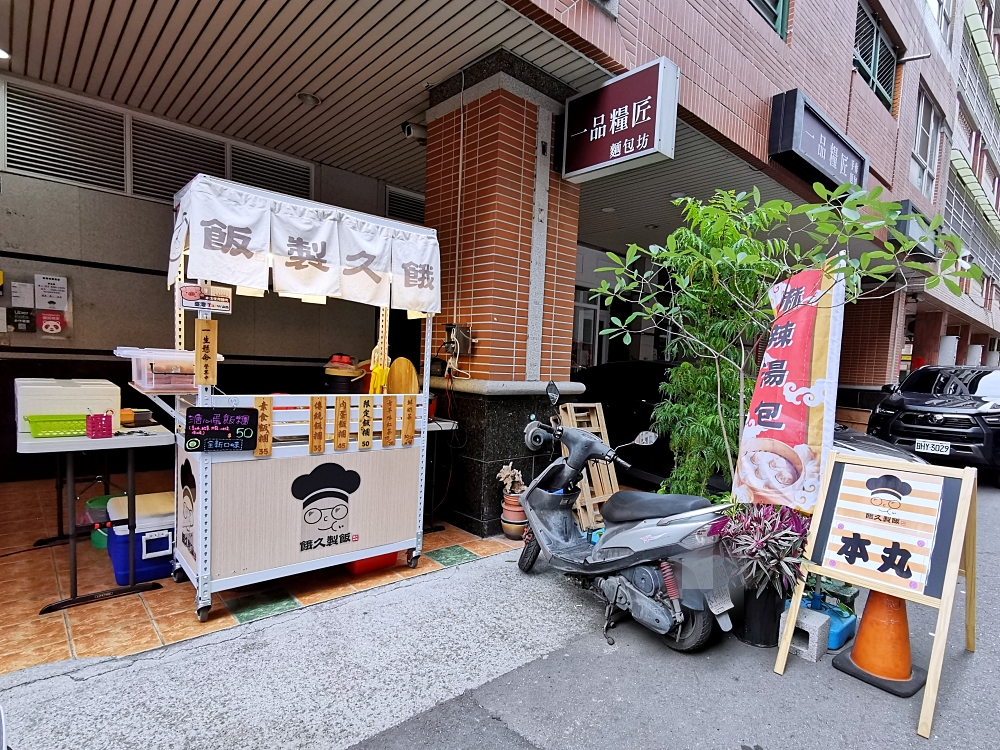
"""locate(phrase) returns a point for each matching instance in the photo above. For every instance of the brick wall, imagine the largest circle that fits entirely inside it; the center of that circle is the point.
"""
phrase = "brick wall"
(873, 341)
(486, 275)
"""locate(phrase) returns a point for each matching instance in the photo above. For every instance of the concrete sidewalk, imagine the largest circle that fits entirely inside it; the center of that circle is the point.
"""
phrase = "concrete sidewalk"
(483, 656)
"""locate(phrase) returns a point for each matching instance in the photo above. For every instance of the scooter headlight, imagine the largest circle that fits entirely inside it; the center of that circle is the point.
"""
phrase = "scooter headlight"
(700, 537)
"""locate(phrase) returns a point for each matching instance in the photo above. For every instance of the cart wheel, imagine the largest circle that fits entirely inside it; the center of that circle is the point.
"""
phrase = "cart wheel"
(412, 559)
(203, 613)
(179, 575)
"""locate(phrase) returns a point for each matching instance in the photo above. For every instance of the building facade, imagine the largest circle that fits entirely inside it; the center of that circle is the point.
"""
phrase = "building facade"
(447, 113)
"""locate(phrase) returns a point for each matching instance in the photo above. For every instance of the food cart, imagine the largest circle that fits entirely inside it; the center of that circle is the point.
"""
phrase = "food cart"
(269, 486)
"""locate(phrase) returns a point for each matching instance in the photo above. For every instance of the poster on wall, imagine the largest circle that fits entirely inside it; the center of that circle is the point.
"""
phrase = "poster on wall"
(22, 294)
(790, 421)
(51, 292)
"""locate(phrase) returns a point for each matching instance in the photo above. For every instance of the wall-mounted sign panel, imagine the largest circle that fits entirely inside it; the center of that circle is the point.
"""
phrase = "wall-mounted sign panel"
(628, 122)
(804, 141)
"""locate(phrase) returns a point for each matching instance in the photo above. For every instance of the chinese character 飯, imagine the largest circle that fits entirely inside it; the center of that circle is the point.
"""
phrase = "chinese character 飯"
(346, 538)
(599, 128)
(366, 261)
(619, 119)
(896, 558)
(420, 275)
(641, 111)
(854, 547)
(776, 373)
(227, 239)
(781, 336)
(767, 416)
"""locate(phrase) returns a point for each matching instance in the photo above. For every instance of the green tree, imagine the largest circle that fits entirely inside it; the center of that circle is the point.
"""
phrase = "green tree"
(708, 290)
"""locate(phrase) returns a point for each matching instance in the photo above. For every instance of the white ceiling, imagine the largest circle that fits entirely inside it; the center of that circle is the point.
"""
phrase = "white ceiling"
(235, 66)
(643, 196)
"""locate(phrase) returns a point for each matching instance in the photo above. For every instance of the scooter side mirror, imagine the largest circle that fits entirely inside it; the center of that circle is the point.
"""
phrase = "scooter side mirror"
(646, 437)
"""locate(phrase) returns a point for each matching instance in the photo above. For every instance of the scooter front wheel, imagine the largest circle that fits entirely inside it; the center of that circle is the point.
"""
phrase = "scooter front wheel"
(694, 631)
(529, 553)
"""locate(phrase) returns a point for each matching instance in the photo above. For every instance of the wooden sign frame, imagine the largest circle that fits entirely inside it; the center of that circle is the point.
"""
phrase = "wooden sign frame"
(958, 560)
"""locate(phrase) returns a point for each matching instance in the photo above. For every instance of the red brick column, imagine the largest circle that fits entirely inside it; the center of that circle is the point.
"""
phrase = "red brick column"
(486, 152)
(927, 333)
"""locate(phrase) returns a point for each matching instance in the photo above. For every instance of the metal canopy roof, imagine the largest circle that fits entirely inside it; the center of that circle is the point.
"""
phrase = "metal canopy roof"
(235, 66)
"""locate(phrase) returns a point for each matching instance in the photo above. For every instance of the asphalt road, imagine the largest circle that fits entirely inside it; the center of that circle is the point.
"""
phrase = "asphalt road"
(482, 656)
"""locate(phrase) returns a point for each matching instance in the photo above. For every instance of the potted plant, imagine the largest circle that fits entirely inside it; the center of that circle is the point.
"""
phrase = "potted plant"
(512, 519)
(765, 543)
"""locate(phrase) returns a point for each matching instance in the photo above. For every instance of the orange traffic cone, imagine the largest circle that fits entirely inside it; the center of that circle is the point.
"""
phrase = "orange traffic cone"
(881, 653)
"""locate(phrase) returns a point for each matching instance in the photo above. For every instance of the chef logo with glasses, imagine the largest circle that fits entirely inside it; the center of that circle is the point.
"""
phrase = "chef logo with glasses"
(887, 493)
(325, 494)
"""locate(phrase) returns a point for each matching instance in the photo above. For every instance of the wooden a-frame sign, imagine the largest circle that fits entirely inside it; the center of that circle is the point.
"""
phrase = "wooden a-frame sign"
(919, 516)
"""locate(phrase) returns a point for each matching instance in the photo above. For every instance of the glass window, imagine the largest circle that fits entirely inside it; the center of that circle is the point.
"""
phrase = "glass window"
(875, 55)
(923, 163)
(775, 13)
(983, 383)
(941, 10)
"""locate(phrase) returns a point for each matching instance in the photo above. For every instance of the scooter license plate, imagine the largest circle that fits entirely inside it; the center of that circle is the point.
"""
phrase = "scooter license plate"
(719, 600)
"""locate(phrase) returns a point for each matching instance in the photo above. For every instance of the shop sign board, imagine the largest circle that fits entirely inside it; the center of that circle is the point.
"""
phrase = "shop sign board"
(207, 350)
(215, 299)
(628, 122)
(806, 142)
(212, 430)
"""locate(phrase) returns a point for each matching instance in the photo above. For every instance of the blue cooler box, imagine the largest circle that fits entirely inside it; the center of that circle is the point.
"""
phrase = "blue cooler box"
(154, 537)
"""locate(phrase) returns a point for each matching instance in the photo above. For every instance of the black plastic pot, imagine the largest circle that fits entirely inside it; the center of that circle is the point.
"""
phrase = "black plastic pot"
(761, 618)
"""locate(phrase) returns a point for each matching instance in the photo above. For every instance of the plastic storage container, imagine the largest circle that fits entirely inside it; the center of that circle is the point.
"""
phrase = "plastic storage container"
(162, 370)
(57, 425)
(154, 537)
(368, 564)
(52, 397)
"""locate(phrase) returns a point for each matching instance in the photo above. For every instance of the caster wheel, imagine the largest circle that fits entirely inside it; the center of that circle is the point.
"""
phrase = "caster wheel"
(178, 575)
(203, 613)
(411, 559)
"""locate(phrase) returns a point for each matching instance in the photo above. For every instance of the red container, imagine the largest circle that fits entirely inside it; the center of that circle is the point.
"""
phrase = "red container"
(432, 406)
(99, 425)
(371, 563)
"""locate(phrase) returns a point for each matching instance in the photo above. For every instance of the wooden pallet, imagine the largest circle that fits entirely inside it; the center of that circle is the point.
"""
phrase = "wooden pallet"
(599, 480)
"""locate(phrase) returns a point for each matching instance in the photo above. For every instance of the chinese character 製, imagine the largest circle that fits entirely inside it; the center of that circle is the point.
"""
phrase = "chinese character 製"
(302, 256)
(420, 275)
(641, 111)
(767, 416)
(619, 119)
(781, 336)
(896, 558)
(599, 128)
(616, 149)
(366, 261)
(854, 547)
(775, 374)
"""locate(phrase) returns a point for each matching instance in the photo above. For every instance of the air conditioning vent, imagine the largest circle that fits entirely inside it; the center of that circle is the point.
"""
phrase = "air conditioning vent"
(404, 206)
(269, 173)
(64, 139)
(165, 160)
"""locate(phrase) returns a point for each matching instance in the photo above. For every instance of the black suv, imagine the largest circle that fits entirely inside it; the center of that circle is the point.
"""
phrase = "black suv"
(947, 413)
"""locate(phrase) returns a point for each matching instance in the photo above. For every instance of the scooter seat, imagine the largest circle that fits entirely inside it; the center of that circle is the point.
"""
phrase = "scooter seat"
(629, 505)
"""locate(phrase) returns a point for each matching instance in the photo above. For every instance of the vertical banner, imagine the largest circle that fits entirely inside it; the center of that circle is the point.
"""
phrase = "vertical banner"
(409, 419)
(789, 428)
(317, 424)
(388, 420)
(342, 435)
(366, 416)
(264, 426)
(206, 349)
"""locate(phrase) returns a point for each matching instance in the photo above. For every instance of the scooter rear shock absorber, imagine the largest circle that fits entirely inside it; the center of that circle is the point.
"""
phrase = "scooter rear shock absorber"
(669, 582)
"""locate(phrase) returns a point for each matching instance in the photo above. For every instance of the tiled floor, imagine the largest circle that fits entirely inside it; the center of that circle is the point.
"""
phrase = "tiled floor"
(31, 578)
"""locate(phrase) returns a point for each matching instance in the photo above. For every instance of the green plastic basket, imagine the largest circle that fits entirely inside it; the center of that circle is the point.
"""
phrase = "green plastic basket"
(57, 425)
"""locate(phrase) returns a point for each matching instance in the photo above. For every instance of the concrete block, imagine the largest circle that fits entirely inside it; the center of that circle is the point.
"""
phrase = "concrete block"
(812, 633)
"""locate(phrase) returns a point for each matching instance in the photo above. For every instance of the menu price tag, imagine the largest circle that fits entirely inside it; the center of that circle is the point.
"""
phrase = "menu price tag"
(264, 426)
(388, 420)
(206, 336)
(317, 424)
(342, 435)
(366, 416)
(409, 419)
(212, 430)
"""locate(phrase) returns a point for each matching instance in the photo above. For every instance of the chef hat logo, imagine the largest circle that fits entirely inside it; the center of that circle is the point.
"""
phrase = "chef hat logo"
(887, 484)
(326, 480)
(187, 476)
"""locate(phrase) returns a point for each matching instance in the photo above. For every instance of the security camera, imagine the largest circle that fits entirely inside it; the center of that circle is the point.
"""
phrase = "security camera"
(412, 130)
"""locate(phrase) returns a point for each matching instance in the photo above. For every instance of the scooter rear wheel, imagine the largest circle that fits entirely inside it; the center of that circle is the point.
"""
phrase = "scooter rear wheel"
(694, 632)
(529, 554)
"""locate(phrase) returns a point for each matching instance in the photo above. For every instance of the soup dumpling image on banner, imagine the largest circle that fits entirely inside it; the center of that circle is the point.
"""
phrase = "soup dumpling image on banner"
(366, 260)
(306, 250)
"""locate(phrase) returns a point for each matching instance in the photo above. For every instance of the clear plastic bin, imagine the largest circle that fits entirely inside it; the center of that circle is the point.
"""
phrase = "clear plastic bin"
(163, 370)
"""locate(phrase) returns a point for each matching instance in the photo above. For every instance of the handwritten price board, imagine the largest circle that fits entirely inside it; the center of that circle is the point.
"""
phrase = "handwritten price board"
(212, 430)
